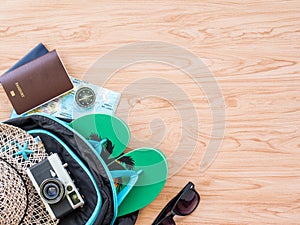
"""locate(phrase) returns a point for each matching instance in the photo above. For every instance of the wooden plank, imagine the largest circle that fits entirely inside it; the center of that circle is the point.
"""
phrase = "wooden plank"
(251, 48)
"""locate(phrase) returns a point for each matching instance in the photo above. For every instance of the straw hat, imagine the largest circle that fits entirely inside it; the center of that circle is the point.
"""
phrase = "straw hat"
(19, 201)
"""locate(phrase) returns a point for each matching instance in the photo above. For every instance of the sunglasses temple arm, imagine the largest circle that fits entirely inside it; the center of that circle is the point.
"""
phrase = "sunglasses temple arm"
(171, 204)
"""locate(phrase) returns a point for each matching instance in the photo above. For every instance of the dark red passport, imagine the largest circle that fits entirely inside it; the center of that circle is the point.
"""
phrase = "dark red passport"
(36, 82)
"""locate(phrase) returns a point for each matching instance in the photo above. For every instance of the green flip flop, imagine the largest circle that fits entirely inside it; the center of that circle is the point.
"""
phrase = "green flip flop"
(151, 164)
(139, 174)
(97, 127)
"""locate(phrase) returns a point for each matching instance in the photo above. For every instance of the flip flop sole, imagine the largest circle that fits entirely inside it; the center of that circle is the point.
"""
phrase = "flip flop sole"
(104, 126)
(151, 181)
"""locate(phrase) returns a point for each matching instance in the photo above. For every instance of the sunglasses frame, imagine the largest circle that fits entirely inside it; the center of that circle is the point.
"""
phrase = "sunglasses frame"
(174, 201)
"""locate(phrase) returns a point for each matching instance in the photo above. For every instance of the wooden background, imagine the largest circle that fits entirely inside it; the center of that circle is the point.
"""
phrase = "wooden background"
(252, 48)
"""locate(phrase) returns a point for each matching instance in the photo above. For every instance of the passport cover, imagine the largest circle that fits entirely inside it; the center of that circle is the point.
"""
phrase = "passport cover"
(36, 82)
(34, 53)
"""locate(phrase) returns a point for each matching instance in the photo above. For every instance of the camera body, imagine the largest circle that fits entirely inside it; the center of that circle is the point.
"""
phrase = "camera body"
(55, 187)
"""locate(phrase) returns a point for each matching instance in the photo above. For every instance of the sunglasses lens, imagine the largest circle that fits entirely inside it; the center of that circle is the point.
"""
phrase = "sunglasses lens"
(187, 203)
(167, 221)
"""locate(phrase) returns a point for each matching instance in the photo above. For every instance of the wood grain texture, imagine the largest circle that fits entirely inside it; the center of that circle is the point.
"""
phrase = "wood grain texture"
(252, 48)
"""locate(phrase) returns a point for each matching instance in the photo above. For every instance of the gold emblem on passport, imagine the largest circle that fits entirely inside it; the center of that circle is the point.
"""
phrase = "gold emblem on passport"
(20, 89)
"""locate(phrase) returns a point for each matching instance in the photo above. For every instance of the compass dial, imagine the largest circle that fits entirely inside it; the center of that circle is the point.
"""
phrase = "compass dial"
(85, 97)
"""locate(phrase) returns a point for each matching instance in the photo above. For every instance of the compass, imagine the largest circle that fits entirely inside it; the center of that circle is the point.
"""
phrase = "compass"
(85, 97)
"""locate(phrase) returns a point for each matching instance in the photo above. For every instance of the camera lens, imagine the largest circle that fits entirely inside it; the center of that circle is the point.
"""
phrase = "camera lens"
(52, 190)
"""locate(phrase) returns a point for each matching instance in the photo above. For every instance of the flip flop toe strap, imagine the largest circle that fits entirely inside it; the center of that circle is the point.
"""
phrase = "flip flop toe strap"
(133, 175)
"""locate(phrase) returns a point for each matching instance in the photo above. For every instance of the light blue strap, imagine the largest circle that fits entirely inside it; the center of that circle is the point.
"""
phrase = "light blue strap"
(133, 179)
(98, 145)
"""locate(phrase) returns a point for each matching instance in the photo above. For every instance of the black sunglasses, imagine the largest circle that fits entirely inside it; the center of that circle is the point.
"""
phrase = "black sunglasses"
(183, 204)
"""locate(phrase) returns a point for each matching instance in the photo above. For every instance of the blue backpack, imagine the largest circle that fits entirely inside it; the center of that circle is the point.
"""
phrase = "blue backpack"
(88, 170)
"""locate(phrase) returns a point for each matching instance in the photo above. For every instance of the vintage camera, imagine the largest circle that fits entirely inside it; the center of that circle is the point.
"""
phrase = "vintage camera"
(55, 186)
